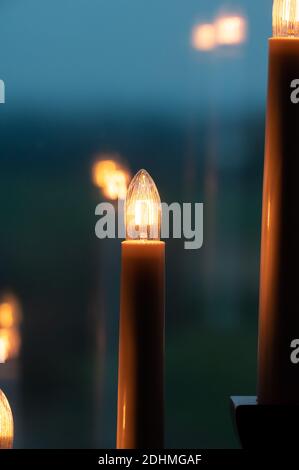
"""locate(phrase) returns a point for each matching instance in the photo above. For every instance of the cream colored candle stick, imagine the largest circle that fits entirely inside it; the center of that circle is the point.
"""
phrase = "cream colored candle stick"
(278, 376)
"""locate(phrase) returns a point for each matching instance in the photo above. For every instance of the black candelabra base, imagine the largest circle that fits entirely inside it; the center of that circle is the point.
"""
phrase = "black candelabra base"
(265, 426)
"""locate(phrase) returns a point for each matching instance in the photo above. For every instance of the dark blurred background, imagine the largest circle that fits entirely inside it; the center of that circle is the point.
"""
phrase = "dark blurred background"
(145, 84)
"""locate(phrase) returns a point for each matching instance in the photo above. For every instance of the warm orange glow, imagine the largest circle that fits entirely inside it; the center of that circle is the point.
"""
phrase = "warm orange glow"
(231, 30)
(10, 312)
(10, 318)
(143, 208)
(286, 18)
(124, 414)
(6, 315)
(116, 187)
(112, 178)
(204, 37)
(3, 350)
(6, 423)
(10, 343)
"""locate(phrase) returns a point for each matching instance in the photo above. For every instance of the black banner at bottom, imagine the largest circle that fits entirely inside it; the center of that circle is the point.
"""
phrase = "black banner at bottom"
(131, 459)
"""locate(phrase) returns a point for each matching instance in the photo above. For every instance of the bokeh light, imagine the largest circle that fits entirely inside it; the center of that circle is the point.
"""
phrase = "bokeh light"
(3, 350)
(10, 319)
(230, 30)
(204, 37)
(111, 177)
(10, 344)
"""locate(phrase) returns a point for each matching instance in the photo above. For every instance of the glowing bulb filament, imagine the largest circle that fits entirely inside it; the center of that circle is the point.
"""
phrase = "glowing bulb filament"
(143, 208)
(286, 18)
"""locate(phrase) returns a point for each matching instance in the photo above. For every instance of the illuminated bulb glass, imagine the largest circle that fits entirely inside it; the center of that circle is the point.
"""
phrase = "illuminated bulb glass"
(6, 423)
(143, 208)
(286, 18)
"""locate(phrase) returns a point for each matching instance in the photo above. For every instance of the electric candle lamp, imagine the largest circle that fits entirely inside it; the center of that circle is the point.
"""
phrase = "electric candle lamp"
(278, 376)
(141, 338)
(6, 423)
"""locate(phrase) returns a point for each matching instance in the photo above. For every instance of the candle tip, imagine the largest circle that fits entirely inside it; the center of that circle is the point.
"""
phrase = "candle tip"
(143, 208)
(286, 18)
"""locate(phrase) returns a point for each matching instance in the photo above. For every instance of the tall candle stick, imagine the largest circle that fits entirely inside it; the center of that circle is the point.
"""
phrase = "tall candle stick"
(141, 338)
(6, 423)
(278, 377)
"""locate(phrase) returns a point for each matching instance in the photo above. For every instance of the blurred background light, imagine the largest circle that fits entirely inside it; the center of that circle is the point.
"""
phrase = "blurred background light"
(111, 177)
(3, 350)
(230, 30)
(10, 311)
(10, 319)
(10, 343)
(204, 37)
(224, 31)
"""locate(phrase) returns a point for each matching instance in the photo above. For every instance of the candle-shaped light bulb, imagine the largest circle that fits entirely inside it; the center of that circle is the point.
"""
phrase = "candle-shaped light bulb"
(6, 423)
(143, 208)
(286, 18)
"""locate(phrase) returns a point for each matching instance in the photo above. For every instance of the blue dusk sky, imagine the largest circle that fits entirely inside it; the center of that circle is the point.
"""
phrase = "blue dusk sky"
(127, 52)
